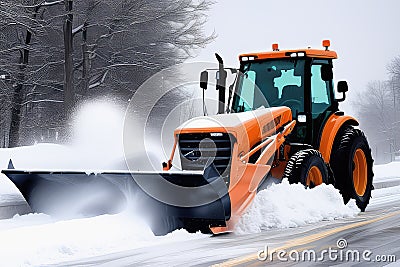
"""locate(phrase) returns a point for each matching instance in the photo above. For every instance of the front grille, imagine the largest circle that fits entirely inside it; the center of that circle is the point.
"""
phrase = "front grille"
(197, 149)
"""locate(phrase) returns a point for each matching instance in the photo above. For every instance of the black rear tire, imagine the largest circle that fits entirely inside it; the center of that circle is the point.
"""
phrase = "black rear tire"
(302, 164)
(348, 141)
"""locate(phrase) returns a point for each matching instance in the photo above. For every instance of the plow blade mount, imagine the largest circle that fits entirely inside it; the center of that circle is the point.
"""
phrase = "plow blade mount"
(166, 200)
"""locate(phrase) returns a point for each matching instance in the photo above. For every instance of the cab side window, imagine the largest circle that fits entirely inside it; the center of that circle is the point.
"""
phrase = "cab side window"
(246, 101)
(320, 92)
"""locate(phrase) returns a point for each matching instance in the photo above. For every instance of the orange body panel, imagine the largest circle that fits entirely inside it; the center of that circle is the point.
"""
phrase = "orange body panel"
(249, 128)
(277, 171)
(317, 53)
(330, 131)
(253, 131)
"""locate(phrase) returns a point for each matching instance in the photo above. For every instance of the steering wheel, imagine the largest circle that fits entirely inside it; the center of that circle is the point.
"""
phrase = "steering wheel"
(292, 103)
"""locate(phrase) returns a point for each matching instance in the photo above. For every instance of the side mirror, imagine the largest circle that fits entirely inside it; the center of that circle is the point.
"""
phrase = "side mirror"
(342, 87)
(204, 80)
(326, 73)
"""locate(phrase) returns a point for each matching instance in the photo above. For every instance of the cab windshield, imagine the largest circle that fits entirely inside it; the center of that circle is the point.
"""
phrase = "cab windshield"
(270, 83)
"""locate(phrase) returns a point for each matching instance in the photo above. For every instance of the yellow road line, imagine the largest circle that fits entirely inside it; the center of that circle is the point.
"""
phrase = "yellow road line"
(305, 240)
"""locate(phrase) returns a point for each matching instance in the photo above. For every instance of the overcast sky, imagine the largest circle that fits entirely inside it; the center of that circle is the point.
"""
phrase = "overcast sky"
(364, 33)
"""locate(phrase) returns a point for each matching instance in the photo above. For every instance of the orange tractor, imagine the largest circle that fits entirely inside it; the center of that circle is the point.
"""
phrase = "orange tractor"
(279, 119)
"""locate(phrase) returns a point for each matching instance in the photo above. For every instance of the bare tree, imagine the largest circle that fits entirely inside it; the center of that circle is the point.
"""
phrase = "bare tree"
(394, 67)
(394, 79)
(55, 56)
(378, 116)
(131, 40)
(25, 18)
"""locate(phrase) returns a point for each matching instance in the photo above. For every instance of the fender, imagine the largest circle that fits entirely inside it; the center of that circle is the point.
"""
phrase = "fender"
(331, 128)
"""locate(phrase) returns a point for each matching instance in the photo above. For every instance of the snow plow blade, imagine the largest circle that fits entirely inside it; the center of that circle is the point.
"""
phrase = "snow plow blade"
(166, 200)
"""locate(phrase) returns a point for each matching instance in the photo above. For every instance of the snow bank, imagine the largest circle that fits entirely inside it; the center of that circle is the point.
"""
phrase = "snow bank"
(386, 172)
(28, 220)
(284, 205)
(48, 156)
(97, 144)
(54, 242)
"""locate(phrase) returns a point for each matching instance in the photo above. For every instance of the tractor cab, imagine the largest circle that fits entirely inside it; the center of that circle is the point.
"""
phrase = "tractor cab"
(299, 79)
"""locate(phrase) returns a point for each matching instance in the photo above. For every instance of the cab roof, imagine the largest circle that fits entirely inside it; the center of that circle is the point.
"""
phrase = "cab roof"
(294, 53)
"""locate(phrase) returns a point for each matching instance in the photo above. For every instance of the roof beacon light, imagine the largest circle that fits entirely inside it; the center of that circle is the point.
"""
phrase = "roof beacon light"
(275, 47)
(326, 44)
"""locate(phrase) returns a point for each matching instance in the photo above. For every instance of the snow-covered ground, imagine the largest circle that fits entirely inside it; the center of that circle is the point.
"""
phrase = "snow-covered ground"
(37, 239)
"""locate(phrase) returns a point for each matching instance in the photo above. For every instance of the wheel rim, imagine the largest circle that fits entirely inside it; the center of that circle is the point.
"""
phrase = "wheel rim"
(314, 177)
(360, 172)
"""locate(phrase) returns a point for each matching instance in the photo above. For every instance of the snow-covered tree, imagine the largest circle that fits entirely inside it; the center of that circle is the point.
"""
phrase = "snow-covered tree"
(378, 109)
(56, 53)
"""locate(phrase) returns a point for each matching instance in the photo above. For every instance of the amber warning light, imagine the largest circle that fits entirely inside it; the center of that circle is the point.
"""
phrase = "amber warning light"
(326, 44)
(275, 47)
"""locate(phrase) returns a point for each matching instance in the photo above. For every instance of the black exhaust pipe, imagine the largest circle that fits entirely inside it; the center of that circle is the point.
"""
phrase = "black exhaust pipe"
(221, 84)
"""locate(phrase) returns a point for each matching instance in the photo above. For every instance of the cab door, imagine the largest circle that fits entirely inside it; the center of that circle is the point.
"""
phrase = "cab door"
(321, 96)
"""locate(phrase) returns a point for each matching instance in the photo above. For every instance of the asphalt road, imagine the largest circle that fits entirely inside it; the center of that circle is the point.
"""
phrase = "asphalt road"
(372, 235)
(10, 208)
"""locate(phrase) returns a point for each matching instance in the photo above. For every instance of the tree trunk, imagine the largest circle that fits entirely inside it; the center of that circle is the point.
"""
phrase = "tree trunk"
(85, 63)
(15, 116)
(68, 65)
(17, 99)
